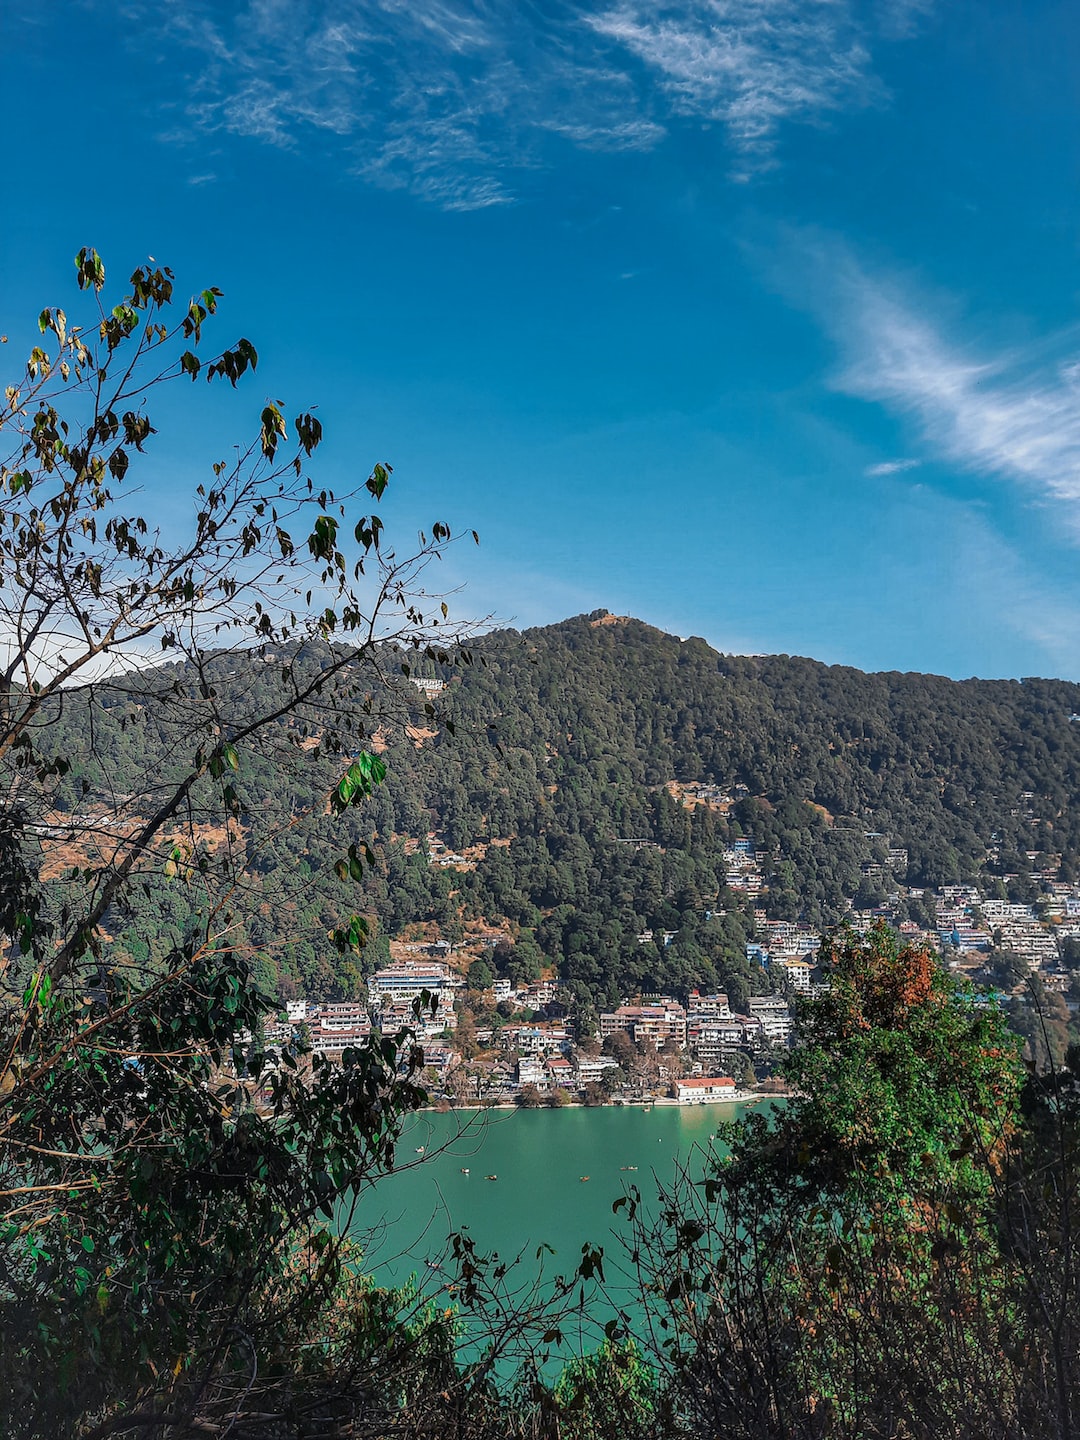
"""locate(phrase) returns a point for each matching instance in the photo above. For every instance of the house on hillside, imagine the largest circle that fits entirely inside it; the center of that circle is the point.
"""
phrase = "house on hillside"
(560, 1071)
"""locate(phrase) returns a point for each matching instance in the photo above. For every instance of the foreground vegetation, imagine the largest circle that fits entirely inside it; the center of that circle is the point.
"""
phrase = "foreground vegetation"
(893, 1253)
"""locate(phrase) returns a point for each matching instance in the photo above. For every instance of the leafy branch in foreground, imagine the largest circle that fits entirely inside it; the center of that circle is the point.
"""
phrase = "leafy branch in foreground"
(166, 1186)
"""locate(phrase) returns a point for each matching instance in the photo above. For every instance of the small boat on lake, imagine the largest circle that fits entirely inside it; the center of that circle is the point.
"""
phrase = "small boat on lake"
(464, 1171)
(491, 1177)
(584, 1178)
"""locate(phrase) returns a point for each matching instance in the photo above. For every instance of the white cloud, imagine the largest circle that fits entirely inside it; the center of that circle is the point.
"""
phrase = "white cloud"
(452, 99)
(892, 467)
(444, 99)
(750, 64)
(1009, 413)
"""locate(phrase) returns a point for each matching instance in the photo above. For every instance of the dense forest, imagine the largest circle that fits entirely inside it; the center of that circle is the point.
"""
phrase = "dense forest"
(546, 762)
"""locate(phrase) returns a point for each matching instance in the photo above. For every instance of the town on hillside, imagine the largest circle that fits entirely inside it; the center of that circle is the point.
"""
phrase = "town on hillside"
(489, 1040)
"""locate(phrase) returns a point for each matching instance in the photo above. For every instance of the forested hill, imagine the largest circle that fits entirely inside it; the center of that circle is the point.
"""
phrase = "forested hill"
(613, 705)
(557, 746)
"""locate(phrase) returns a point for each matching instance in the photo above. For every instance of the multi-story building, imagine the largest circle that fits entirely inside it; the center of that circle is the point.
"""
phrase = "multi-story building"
(775, 1016)
(333, 1041)
(714, 1041)
(798, 971)
(591, 1069)
(660, 1022)
(401, 984)
(712, 1007)
(547, 1039)
(339, 1015)
(429, 1025)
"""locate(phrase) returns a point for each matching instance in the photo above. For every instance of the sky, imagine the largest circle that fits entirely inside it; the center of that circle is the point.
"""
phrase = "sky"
(757, 319)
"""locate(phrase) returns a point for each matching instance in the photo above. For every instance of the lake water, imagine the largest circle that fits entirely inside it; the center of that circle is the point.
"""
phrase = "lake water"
(539, 1197)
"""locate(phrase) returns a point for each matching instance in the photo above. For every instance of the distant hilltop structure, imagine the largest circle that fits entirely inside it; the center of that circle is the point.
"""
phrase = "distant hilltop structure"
(429, 687)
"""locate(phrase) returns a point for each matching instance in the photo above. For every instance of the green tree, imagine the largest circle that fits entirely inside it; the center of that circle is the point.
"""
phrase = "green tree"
(465, 1035)
(611, 1393)
(480, 975)
(841, 1258)
(741, 1069)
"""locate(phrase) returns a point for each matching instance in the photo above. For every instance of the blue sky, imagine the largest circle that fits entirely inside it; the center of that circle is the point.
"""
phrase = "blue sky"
(758, 319)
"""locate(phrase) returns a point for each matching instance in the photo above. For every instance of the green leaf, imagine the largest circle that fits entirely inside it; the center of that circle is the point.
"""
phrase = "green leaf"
(378, 480)
(358, 782)
(273, 425)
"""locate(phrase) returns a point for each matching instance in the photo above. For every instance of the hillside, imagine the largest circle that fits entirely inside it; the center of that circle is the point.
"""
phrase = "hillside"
(579, 785)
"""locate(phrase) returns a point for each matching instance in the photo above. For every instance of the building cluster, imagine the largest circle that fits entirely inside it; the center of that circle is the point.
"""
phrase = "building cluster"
(694, 1041)
(971, 923)
(706, 1031)
(786, 949)
(428, 688)
(554, 1070)
(414, 994)
(688, 1046)
(524, 997)
(742, 870)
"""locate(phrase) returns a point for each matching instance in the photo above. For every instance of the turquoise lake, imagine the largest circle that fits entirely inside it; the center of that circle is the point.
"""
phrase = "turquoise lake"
(539, 1196)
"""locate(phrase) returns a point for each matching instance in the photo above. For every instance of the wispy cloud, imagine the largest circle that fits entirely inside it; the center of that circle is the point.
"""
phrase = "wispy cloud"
(456, 99)
(1005, 590)
(447, 99)
(751, 64)
(892, 467)
(1011, 412)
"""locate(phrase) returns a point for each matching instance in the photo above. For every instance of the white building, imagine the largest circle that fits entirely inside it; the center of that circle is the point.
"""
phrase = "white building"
(699, 1089)
(707, 1007)
(775, 1016)
(402, 984)
(797, 971)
